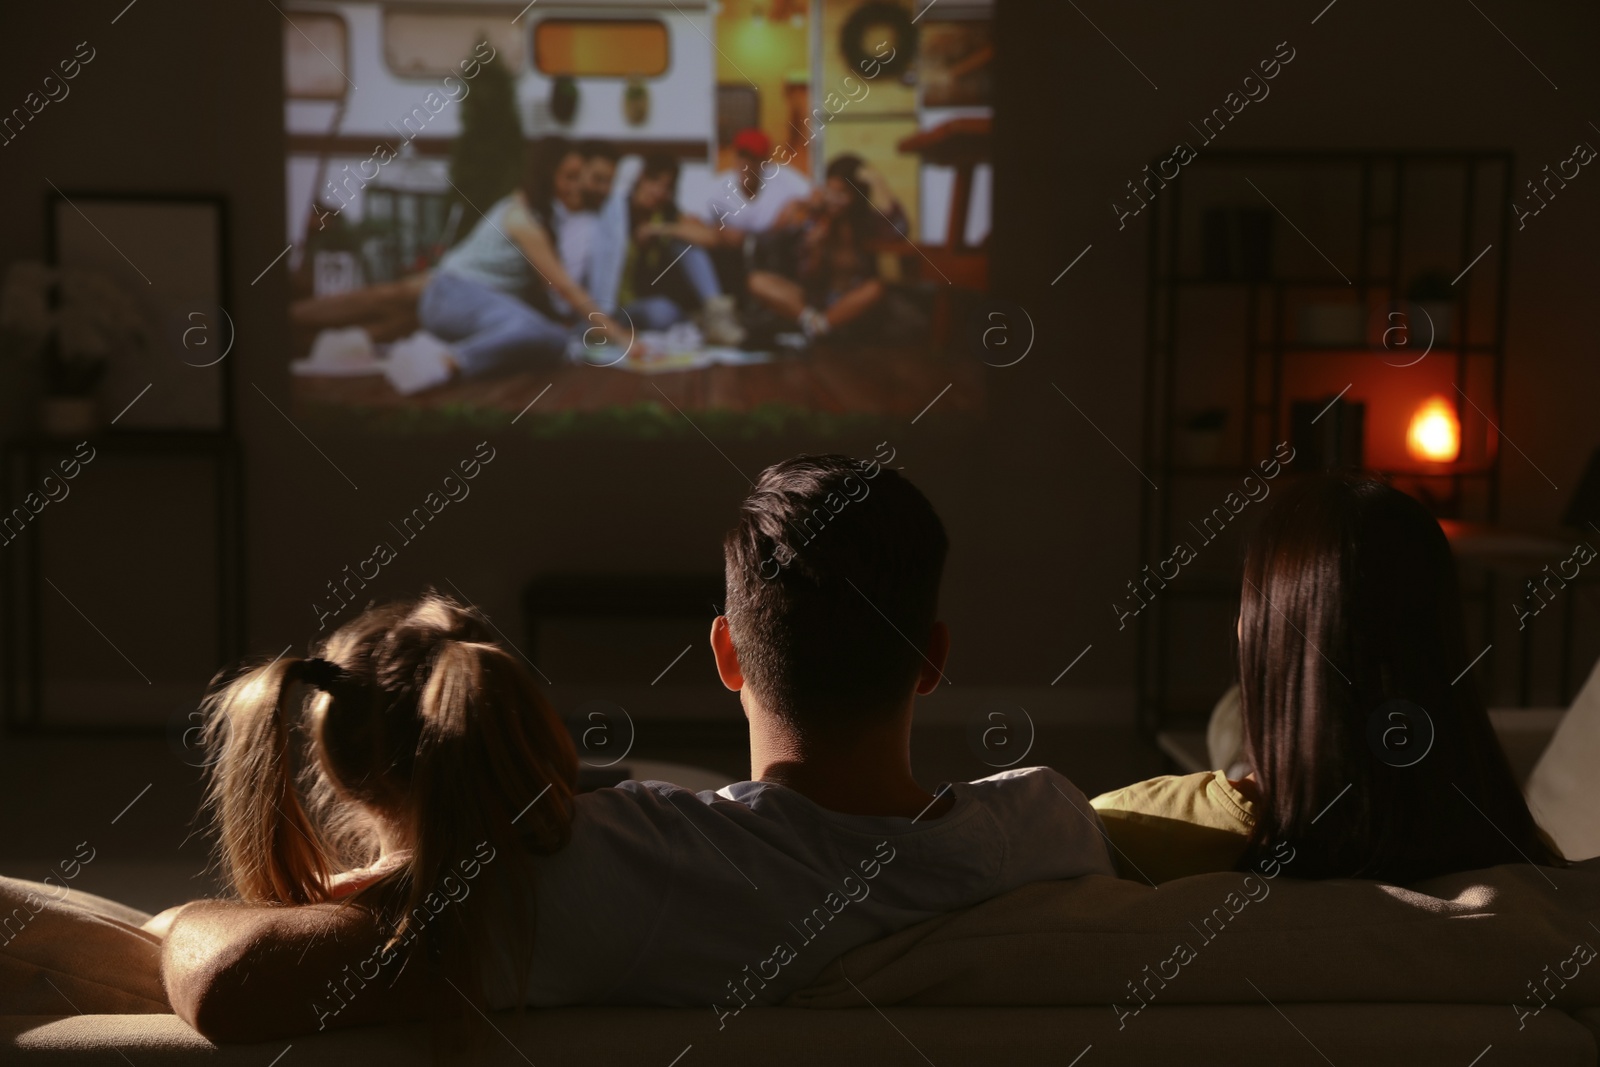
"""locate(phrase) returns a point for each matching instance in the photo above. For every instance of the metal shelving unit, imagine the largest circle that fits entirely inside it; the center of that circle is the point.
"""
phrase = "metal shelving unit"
(1374, 217)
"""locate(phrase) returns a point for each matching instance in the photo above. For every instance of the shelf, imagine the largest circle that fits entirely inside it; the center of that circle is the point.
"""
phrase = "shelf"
(1224, 470)
(1293, 283)
(1254, 321)
(1209, 470)
(203, 442)
(1300, 158)
(1471, 472)
(1373, 350)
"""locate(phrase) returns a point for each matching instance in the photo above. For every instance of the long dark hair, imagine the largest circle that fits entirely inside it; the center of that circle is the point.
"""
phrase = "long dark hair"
(541, 158)
(1350, 621)
(860, 214)
(656, 165)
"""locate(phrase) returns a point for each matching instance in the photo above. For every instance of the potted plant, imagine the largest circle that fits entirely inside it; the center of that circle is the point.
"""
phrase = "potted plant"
(636, 102)
(563, 98)
(66, 325)
(70, 406)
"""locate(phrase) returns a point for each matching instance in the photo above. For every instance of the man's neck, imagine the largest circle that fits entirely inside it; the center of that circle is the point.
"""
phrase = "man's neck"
(864, 771)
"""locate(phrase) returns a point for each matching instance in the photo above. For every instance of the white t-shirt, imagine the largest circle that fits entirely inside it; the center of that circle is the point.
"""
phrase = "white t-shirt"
(744, 895)
(574, 240)
(728, 202)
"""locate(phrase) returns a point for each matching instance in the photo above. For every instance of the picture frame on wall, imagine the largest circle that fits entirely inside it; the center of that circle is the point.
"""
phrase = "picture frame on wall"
(144, 285)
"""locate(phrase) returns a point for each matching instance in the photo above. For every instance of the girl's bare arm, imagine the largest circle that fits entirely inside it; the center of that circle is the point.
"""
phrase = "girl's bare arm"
(242, 972)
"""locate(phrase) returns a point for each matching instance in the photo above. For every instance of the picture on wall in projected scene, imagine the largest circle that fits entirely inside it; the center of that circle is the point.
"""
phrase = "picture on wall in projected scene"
(578, 214)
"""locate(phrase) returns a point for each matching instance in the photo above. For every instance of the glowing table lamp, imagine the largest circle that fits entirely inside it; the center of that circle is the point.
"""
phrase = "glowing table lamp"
(1435, 433)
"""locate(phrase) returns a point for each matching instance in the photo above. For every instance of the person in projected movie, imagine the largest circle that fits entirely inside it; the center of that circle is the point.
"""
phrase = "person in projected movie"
(749, 197)
(826, 277)
(668, 271)
(541, 266)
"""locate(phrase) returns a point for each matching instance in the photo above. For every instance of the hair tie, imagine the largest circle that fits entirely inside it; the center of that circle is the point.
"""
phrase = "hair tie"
(321, 673)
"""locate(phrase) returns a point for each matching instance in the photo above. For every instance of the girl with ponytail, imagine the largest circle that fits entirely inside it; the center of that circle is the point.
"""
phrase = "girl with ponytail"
(409, 765)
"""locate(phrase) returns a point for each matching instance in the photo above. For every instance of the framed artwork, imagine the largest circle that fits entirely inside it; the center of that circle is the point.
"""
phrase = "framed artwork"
(143, 284)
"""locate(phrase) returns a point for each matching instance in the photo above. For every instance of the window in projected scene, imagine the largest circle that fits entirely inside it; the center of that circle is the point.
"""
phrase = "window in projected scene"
(600, 48)
(310, 55)
(762, 211)
(431, 44)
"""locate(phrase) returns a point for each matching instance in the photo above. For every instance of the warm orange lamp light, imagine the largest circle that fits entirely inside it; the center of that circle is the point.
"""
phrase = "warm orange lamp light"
(1435, 432)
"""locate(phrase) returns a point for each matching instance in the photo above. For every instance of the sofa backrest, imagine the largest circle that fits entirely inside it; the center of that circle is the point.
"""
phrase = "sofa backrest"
(1511, 935)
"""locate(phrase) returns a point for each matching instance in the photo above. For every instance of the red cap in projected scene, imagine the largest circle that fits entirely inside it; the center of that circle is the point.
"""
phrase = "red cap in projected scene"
(752, 142)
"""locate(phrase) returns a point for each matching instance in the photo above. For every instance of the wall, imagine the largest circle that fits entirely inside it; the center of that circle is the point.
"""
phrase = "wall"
(1078, 121)
(1042, 509)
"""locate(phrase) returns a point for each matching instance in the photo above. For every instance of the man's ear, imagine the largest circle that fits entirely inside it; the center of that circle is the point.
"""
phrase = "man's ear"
(726, 655)
(933, 659)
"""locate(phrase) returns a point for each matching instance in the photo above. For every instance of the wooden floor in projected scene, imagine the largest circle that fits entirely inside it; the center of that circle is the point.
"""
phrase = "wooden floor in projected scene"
(858, 381)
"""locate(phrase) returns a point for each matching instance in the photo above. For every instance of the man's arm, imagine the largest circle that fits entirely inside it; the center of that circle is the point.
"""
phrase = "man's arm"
(690, 229)
(539, 249)
(240, 972)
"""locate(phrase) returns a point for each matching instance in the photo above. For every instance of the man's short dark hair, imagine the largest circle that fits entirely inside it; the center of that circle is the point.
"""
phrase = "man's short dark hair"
(833, 588)
(658, 163)
(597, 149)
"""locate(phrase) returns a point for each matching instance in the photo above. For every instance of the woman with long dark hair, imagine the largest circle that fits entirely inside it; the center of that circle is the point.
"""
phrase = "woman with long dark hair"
(1371, 752)
(661, 236)
(835, 282)
(516, 289)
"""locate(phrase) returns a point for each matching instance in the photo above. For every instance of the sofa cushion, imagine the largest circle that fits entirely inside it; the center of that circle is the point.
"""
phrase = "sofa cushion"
(61, 949)
(1511, 936)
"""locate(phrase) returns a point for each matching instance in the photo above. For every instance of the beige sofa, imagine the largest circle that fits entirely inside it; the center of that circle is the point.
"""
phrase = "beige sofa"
(1277, 972)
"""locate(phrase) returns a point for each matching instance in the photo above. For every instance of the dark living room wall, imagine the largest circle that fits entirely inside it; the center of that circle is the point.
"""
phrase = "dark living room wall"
(1043, 512)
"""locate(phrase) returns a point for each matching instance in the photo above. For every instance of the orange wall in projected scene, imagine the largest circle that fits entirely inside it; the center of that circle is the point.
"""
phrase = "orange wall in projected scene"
(767, 45)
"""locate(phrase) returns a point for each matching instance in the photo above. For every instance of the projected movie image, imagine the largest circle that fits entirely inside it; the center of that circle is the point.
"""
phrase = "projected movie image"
(746, 208)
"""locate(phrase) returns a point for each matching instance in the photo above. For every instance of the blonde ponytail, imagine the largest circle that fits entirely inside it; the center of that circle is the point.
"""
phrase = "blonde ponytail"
(495, 774)
(425, 735)
(270, 850)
